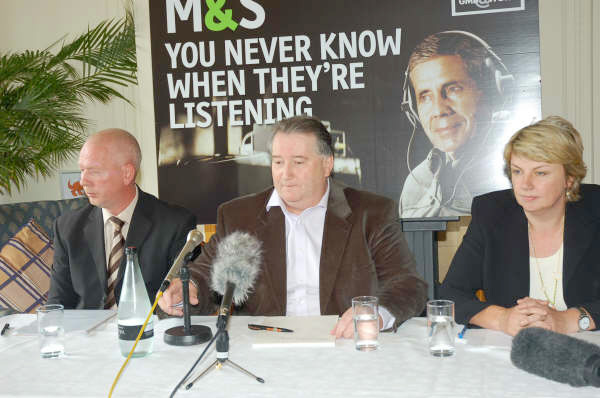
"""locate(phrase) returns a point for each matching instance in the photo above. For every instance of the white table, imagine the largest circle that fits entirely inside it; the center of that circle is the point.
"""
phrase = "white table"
(402, 367)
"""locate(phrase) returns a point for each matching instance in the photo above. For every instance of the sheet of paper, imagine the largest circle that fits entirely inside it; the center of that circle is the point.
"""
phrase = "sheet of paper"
(486, 338)
(75, 320)
(308, 331)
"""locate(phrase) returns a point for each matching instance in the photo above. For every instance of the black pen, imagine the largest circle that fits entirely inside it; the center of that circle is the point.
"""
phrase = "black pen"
(4, 329)
(269, 328)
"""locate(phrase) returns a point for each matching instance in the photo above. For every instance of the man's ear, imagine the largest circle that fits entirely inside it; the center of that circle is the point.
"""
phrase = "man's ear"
(128, 172)
(328, 165)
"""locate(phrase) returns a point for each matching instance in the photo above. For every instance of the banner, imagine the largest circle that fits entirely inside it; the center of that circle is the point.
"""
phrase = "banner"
(419, 96)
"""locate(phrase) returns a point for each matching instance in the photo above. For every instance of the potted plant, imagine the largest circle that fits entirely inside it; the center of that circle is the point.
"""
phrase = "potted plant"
(43, 93)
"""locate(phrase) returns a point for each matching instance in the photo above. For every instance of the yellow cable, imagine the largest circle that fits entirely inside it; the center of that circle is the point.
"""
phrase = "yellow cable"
(158, 296)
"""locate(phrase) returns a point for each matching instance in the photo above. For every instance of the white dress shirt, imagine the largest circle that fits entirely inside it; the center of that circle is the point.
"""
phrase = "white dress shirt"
(109, 228)
(303, 241)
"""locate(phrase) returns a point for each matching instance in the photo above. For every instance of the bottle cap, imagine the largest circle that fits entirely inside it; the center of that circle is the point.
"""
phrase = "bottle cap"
(130, 250)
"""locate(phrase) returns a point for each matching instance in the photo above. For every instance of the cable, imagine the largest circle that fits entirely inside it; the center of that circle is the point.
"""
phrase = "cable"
(158, 296)
(195, 364)
(408, 148)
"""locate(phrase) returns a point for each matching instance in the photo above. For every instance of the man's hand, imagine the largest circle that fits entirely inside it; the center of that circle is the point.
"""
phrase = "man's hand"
(174, 295)
(344, 328)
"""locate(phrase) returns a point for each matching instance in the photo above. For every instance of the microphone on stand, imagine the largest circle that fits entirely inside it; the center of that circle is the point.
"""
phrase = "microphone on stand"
(187, 334)
(234, 271)
(194, 238)
(556, 357)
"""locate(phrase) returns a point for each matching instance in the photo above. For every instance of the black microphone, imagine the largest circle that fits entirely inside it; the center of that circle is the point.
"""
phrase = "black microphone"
(194, 238)
(234, 270)
(556, 357)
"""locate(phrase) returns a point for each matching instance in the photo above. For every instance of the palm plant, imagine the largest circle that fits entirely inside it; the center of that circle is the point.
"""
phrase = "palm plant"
(42, 97)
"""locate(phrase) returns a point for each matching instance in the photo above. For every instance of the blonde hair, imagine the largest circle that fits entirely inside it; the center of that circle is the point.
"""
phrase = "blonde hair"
(551, 140)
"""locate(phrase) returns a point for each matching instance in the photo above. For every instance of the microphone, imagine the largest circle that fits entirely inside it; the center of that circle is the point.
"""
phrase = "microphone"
(234, 271)
(556, 357)
(194, 238)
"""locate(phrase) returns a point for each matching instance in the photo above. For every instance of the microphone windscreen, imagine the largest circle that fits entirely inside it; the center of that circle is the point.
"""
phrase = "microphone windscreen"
(554, 356)
(238, 260)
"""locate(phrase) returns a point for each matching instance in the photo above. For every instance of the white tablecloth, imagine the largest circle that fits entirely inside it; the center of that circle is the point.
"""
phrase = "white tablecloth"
(402, 367)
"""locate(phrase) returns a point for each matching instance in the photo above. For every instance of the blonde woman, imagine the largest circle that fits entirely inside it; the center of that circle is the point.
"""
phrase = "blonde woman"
(534, 250)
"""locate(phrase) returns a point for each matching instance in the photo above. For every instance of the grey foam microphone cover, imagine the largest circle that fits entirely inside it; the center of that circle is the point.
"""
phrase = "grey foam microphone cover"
(556, 357)
(238, 260)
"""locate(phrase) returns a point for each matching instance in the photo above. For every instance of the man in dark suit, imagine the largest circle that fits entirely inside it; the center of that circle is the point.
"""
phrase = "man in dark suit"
(81, 275)
(323, 243)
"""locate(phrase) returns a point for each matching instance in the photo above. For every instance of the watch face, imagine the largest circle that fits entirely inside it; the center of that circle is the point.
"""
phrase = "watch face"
(584, 323)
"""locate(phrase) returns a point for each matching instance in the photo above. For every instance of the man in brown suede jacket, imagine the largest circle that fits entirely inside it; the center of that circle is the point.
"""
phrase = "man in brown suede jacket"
(323, 243)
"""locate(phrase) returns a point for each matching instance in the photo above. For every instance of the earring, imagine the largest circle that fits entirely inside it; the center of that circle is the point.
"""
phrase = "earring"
(569, 195)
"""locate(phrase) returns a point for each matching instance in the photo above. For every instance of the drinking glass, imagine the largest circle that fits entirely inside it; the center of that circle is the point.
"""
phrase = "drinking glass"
(365, 313)
(440, 327)
(51, 330)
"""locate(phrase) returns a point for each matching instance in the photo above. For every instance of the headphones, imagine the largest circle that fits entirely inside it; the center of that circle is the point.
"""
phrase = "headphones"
(498, 73)
(497, 70)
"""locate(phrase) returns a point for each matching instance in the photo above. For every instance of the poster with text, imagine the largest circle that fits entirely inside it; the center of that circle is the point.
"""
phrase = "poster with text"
(419, 96)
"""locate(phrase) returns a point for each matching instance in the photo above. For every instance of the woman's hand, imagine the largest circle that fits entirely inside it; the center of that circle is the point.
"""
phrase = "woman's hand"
(512, 320)
(528, 312)
(539, 314)
(507, 320)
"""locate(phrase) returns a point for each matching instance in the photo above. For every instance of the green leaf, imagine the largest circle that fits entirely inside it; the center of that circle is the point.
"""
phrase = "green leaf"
(43, 96)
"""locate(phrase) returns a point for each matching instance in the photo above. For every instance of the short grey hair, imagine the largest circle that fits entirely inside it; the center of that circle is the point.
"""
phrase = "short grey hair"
(305, 125)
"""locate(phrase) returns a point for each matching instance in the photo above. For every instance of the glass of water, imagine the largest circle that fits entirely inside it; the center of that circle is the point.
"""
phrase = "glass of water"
(365, 312)
(440, 327)
(51, 330)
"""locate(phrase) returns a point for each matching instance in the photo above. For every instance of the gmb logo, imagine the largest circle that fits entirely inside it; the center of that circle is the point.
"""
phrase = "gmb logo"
(216, 16)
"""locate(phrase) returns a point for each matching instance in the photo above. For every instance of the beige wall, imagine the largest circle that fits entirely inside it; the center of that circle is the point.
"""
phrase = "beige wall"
(570, 65)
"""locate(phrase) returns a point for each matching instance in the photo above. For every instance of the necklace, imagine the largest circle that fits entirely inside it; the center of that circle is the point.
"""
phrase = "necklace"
(539, 272)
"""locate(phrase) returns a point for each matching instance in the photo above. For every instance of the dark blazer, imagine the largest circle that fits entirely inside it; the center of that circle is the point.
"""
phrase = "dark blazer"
(363, 253)
(159, 231)
(494, 255)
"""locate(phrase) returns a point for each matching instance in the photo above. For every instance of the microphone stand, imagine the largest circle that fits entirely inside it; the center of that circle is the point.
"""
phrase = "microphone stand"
(223, 359)
(187, 334)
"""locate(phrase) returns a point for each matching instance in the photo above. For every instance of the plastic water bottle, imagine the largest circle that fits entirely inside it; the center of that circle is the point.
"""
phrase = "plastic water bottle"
(134, 306)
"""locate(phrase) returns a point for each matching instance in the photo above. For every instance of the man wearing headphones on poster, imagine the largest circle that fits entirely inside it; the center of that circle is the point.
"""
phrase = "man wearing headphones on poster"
(454, 88)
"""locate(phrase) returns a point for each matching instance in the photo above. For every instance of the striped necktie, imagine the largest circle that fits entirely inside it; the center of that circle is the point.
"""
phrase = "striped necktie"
(114, 260)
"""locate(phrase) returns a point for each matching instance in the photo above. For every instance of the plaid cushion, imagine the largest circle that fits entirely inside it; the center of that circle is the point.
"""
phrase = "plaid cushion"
(14, 215)
(25, 263)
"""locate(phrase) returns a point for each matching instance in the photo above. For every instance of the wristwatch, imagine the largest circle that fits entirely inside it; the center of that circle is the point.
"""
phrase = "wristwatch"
(584, 319)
